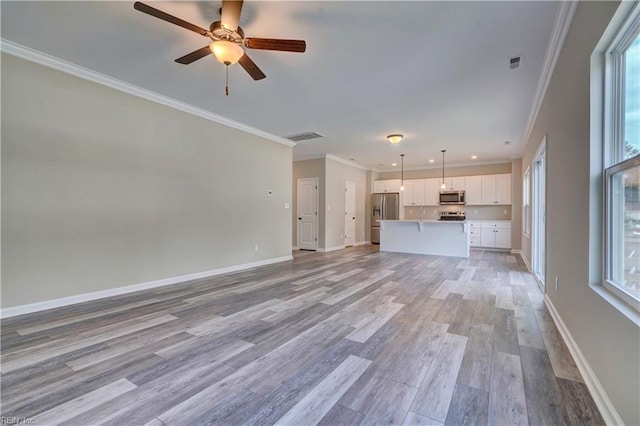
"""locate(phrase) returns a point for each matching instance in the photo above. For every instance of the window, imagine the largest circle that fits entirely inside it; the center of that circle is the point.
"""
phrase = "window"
(622, 163)
(526, 202)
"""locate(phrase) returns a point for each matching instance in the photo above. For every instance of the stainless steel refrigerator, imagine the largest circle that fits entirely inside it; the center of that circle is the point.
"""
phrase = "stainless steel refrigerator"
(384, 206)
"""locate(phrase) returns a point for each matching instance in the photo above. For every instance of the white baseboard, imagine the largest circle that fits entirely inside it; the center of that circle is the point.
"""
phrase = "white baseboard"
(294, 248)
(324, 250)
(362, 243)
(72, 300)
(516, 251)
(607, 410)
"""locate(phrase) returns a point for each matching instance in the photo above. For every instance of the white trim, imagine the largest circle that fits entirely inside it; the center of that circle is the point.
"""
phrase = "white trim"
(452, 166)
(294, 248)
(29, 54)
(324, 250)
(516, 251)
(362, 243)
(347, 162)
(607, 410)
(86, 297)
(564, 17)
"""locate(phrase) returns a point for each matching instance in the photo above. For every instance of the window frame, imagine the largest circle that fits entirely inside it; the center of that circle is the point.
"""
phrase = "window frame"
(613, 144)
(526, 202)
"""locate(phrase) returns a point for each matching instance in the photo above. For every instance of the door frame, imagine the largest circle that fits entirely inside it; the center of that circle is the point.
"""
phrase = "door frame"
(539, 215)
(355, 187)
(317, 220)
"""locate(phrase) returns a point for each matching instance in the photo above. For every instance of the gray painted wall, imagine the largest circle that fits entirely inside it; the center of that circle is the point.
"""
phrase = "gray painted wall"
(101, 189)
(336, 175)
(332, 176)
(609, 341)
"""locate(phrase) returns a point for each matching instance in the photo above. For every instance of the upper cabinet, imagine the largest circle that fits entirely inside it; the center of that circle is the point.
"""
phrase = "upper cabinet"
(473, 190)
(496, 189)
(414, 192)
(432, 192)
(457, 183)
(479, 190)
(391, 185)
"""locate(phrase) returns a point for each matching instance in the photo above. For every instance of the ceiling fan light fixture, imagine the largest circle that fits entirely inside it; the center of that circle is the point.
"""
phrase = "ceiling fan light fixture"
(226, 52)
(394, 139)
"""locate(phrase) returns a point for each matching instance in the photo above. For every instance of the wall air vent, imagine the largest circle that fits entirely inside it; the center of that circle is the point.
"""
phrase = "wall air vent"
(304, 136)
(514, 62)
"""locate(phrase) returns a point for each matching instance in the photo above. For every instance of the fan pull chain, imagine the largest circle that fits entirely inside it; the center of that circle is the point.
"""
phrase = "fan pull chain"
(226, 87)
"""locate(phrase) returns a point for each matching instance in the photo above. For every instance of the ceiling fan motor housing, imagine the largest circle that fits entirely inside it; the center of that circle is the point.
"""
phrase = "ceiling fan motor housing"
(218, 32)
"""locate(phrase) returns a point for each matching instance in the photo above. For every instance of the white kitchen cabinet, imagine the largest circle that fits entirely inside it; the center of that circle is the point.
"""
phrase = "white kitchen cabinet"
(474, 233)
(432, 192)
(457, 183)
(390, 185)
(495, 234)
(473, 190)
(414, 192)
(496, 189)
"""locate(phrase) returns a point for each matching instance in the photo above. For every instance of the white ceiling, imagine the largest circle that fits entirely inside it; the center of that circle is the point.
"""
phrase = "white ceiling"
(435, 71)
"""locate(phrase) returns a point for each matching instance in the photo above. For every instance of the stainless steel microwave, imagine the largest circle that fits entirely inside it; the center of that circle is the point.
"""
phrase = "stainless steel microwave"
(452, 197)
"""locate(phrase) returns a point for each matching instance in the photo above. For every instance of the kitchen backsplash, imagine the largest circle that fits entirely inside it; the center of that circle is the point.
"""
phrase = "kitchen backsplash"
(471, 212)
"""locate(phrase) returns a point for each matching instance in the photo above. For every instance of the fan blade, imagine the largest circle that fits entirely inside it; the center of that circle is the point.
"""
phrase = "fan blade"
(231, 10)
(250, 67)
(194, 56)
(169, 18)
(276, 44)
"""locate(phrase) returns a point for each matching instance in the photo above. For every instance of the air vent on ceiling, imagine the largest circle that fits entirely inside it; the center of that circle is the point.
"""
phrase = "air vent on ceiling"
(304, 136)
(514, 62)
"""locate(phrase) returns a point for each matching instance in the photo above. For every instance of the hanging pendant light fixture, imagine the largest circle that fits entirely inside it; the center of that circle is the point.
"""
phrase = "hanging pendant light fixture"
(395, 139)
(444, 185)
(402, 172)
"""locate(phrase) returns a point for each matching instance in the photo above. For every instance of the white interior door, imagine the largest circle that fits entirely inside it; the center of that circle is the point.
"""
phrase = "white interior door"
(538, 249)
(307, 214)
(349, 213)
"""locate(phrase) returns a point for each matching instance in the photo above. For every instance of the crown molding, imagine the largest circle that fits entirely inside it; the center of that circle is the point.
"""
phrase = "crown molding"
(58, 64)
(343, 161)
(561, 25)
(451, 166)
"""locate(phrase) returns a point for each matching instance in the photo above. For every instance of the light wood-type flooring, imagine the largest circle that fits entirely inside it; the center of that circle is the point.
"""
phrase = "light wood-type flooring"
(349, 337)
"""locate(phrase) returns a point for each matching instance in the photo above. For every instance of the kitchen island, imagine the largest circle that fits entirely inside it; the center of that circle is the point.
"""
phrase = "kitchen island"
(438, 237)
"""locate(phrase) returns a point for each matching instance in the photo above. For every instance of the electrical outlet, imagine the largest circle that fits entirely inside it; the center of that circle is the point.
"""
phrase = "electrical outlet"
(504, 211)
(255, 248)
(556, 283)
(286, 205)
(475, 211)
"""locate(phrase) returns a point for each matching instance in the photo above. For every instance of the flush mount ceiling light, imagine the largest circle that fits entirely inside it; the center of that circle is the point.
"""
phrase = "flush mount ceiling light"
(394, 139)
(473, 157)
(394, 164)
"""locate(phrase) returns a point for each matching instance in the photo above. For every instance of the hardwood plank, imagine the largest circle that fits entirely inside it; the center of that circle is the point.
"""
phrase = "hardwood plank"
(380, 399)
(339, 415)
(447, 312)
(528, 331)
(475, 369)
(468, 406)
(78, 405)
(578, 408)
(505, 332)
(507, 402)
(356, 288)
(563, 364)
(541, 388)
(317, 403)
(463, 318)
(415, 419)
(434, 396)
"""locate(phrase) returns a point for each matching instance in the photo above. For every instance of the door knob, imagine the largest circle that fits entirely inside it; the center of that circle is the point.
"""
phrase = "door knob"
(299, 218)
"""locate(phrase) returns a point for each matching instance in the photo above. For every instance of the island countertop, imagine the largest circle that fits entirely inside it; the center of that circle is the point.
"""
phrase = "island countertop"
(437, 237)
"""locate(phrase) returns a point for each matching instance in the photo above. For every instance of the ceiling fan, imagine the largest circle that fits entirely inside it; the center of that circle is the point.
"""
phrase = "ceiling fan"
(228, 40)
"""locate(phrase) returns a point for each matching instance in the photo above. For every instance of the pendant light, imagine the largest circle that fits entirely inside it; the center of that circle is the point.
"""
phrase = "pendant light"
(402, 172)
(444, 185)
(395, 139)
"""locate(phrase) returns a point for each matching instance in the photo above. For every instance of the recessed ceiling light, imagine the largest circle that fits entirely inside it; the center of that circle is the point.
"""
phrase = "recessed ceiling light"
(394, 164)
(473, 157)
(432, 160)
